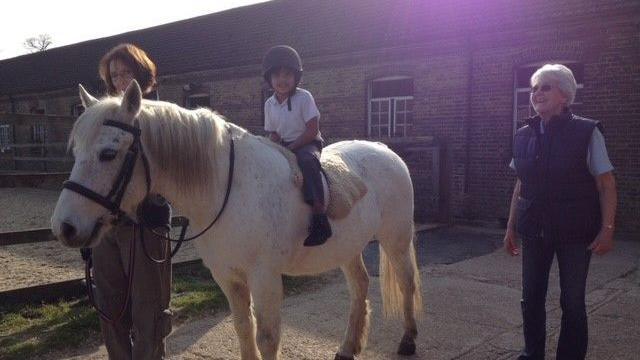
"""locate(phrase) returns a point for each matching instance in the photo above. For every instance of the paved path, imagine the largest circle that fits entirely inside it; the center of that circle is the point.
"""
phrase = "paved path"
(472, 312)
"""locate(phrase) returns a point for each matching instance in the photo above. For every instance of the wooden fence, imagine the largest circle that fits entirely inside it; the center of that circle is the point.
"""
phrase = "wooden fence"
(34, 143)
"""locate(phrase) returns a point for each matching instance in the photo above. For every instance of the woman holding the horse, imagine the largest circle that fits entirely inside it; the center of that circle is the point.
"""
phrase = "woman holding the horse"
(140, 332)
(563, 205)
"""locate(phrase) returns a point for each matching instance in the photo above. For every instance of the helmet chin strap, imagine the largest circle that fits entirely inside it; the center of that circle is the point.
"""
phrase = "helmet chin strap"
(291, 93)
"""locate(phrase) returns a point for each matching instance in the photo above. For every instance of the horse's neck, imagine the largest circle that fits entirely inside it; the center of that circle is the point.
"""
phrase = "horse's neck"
(200, 203)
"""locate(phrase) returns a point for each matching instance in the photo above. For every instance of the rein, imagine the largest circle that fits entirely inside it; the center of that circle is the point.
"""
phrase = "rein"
(113, 201)
(88, 264)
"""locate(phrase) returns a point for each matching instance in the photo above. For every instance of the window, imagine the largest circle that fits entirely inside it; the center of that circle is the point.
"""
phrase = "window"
(5, 137)
(390, 107)
(38, 133)
(522, 88)
(197, 101)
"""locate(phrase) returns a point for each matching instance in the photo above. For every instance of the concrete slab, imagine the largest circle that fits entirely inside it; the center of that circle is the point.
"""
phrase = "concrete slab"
(471, 312)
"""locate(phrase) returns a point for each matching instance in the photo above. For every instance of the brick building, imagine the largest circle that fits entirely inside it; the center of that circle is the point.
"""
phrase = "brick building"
(443, 82)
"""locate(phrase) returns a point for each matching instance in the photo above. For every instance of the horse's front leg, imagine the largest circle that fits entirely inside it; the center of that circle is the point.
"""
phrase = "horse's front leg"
(266, 292)
(237, 293)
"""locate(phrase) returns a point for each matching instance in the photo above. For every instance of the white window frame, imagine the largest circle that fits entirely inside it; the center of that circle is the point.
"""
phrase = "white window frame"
(391, 122)
(404, 112)
(520, 90)
(39, 133)
(5, 137)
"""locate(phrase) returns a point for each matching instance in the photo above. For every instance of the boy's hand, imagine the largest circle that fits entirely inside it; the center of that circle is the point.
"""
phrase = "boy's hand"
(293, 146)
(275, 137)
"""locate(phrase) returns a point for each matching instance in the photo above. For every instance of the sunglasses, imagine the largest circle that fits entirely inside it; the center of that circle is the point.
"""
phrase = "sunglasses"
(543, 88)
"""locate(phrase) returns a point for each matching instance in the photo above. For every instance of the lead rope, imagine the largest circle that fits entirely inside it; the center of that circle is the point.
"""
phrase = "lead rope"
(89, 282)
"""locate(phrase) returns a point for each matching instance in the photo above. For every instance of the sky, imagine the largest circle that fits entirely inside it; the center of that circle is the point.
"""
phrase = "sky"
(73, 21)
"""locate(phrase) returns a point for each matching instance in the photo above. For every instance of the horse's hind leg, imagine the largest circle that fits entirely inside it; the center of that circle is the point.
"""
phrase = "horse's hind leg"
(266, 291)
(357, 331)
(237, 294)
(406, 269)
(401, 284)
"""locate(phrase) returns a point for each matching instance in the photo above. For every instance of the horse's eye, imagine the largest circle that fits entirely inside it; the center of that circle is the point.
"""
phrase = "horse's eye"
(108, 154)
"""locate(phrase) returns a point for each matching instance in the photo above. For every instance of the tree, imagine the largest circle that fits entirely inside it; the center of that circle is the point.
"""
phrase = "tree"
(38, 43)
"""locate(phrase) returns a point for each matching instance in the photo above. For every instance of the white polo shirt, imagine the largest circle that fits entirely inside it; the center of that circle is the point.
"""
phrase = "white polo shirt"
(290, 124)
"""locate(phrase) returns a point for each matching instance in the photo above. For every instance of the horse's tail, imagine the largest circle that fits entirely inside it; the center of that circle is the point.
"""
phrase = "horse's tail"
(391, 282)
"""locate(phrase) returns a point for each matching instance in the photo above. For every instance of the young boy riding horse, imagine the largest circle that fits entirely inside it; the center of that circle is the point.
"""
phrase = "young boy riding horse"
(292, 119)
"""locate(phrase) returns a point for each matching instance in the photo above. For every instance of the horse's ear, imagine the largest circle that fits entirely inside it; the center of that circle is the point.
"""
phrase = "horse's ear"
(85, 97)
(132, 100)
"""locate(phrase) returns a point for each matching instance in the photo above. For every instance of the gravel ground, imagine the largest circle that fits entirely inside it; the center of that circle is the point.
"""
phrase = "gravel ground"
(48, 262)
(41, 263)
(26, 208)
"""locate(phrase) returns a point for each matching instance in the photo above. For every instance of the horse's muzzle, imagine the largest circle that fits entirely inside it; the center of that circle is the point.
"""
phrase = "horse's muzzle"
(69, 235)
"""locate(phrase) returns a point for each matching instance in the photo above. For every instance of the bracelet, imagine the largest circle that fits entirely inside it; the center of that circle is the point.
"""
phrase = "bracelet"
(609, 226)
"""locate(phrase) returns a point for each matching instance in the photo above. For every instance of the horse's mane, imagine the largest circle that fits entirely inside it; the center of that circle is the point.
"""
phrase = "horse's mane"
(181, 143)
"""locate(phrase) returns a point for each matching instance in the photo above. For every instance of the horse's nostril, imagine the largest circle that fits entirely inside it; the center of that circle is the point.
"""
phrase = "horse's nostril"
(68, 231)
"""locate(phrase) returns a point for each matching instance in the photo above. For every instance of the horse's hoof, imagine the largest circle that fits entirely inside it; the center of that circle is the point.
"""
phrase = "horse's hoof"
(340, 357)
(407, 346)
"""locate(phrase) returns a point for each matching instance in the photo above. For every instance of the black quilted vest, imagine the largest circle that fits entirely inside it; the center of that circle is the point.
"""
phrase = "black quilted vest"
(558, 196)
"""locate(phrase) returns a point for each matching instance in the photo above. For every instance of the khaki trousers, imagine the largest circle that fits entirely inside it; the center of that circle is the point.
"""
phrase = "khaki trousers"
(141, 332)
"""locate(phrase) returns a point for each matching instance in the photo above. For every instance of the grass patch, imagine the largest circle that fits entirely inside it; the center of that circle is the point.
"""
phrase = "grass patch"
(195, 293)
(31, 330)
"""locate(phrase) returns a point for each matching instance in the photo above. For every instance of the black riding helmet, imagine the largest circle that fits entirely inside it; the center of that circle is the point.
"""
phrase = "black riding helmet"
(282, 56)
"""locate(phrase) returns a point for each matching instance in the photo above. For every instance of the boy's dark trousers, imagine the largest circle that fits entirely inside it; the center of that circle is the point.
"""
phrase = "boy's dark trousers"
(141, 332)
(308, 158)
(573, 264)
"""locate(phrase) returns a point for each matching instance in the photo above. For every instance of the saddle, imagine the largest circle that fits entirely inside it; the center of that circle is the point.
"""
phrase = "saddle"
(342, 187)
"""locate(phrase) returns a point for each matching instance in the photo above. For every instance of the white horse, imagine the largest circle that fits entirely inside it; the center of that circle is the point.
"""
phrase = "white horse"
(260, 233)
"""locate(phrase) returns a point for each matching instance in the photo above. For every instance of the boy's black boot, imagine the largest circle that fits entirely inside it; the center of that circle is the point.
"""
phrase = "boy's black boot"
(319, 230)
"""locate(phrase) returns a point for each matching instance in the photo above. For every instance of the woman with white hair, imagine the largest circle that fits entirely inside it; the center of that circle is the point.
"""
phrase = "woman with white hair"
(563, 204)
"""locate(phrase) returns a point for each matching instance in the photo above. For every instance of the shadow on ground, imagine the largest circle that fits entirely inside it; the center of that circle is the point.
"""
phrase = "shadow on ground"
(447, 245)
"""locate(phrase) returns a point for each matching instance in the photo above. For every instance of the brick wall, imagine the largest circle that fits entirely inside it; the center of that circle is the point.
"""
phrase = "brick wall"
(463, 97)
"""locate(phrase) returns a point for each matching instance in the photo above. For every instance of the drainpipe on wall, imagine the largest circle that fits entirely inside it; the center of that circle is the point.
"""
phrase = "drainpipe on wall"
(467, 117)
(468, 212)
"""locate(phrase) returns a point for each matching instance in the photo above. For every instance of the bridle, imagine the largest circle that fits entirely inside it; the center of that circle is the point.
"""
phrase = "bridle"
(113, 200)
